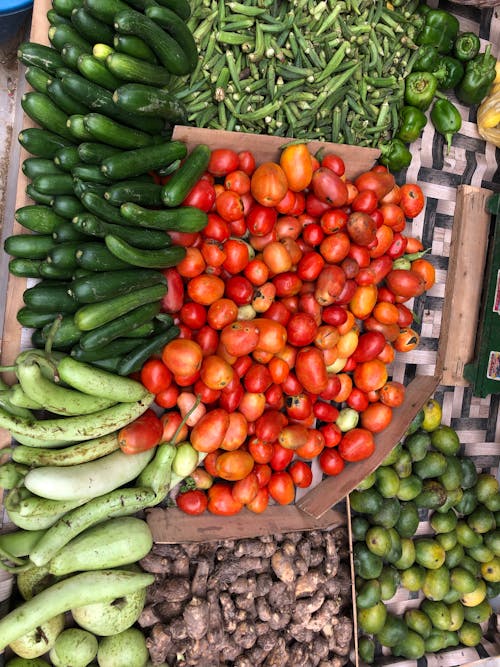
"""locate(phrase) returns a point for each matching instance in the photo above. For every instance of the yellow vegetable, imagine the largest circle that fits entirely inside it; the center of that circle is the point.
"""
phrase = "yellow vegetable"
(497, 70)
(488, 115)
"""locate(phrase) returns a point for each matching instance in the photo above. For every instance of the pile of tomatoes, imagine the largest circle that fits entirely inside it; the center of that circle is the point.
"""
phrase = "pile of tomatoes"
(291, 306)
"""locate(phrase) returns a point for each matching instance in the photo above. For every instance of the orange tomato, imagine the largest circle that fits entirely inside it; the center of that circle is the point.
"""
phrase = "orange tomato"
(272, 335)
(216, 372)
(412, 199)
(345, 387)
(407, 340)
(384, 236)
(236, 432)
(392, 393)
(363, 301)
(276, 257)
(269, 184)
(205, 289)
(387, 355)
(295, 160)
(425, 269)
(182, 357)
(376, 417)
(370, 375)
(385, 312)
(393, 216)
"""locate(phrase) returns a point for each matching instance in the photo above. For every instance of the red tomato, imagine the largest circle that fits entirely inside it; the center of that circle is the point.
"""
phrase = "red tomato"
(209, 462)
(407, 340)
(174, 298)
(333, 162)
(288, 203)
(380, 182)
(240, 338)
(331, 433)
(208, 433)
(201, 195)
(329, 284)
(357, 399)
(365, 201)
(334, 315)
(312, 234)
(142, 434)
(221, 313)
(192, 502)
(252, 405)
(245, 490)
(393, 216)
(356, 445)
(239, 290)
(155, 376)
(370, 344)
(370, 375)
(221, 501)
(193, 315)
(237, 255)
(392, 393)
(236, 433)
(256, 271)
(311, 370)
(281, 487)
(363, 301)
(301, 329)
(330, 462)
(246, 162)
(260, 502)
(269, 425)
(412, 199)
(237, 181)
(171, 422)
(269, 184)
(261, 451)
(299, 407)
(301, 474)
(193, 263)
(272, 335)
(205, 289)
(257, 378)
(329, 188)
(281, 457)
(207, 339)
(223, 161)
(261, 220)
(216, 228)
(361, 228)
(325, 412)
(335, 247)
(310, 265)
(168, 397)
(314, 445)
(229, 206)
(263, 472)
(182, 357)
(277, 257)
(426, 270)
(215, 372)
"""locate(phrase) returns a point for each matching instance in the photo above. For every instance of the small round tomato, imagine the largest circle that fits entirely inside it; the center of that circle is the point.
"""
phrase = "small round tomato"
(330, 462)
(412, 199)
(328, 187)
(392, 393)
(155, 376)
(205, 289)
(261, 220)
(182, 357)
(333, 162)
(237, 181)
(168, 397)
(356, 445)
(215, 372)
(256, 271)
(277, 258)
(281, 457)
(236, 433)
(301, 474)
(201, 195)
(370, 375)
(240, 338)
(239, 290)
(234, 465)
(223, 161)
(229, 206)
(312, 234)
(365, 201)
(193, 315)
(192, 264)
(325, 412)
(301, 329)
(407, 340)
(272, 335)
(310, 265)
(246, 162)
(216, 228)
(331, 433)
(208, 433)
(237, 256)
(221, 313)
(311, 370)
(192, 502)
(257, 378)
(221, 501)
(293, 436)
(425, 269)
(261, 451)
(143, 433)
(313, 447)
(281, 487)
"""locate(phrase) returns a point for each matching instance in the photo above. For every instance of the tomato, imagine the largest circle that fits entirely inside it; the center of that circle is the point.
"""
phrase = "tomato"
(370, 375)
(330, 462)
(312, 234)
(237, 255)
(221, 501)
(174, 298)
(370, 344)
(201, 195)
(385, 312)
(412, 200)
(295, 160)
(239, 290)
(293, 436)
(298, 407)
(392, 393)
(155, 376)
(202, 478)
(246, 162)
(192, 264)
(229, 206)
(407, 340)
(335, 247)
(209, 462)
(234, 465)
(314, 206)
(365, 202)
(287, 284)
(193, 315)
(261, 220)
(281, 487)
(301, 329)
(328, 187)
(257, 378)
(268, 426)
(357, 400)
(263, 472)
(327, 337)
(380, 182)
(205, 289)
(221, 313)
(414, 244)
(405, 315)
(363, 301)
(269, 184)
(281, 457)
(223, 161)
(207, 339)
(334, 315)
(256, 271)
(301, 474)
(277, 258)
(333, 162)
(215, 372)
(142, 434)
(240, 338)
(260, 502)
(356, 445)
(237, 181)
(171, 422)
(207, 395)
(361, 228)
(311, 370)
(331, 434)
(245, 490)
(216, 228)
(288, 203)
(192, 502)
(208, 433)
(329, 284)
(272, 335)
(383, 240)
(310, 266)
(426, 270)
(393, 216)
(168, 397)
(252, 405)
(236, 433)
(182, 357)
(390, 331)
(261, 452)
(325, 411)
(405, 283)
(263, 297)
(393, 196)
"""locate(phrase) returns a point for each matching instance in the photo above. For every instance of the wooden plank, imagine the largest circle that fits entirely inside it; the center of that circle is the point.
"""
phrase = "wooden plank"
(464, 282)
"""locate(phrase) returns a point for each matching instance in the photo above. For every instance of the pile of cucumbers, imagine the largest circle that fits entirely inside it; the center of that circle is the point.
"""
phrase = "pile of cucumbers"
(96, 235)
(453, 566)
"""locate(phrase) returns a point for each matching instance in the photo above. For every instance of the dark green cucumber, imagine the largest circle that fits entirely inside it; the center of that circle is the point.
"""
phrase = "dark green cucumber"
(92, 152)
(61, 35)
(67, 206)
(38, 218)
(183, 180)
(117, 347)
(91, 28)
(144, 238)
(67, 158)
(39, 55)
(71, 53)
(38, 78)
(181, 7)
(38, 197)
(67, 334)
(141, 98)
(50, 271)
(23, 267)
(160, 258)
(66, 7)
(128, 164)
(66, 232)
(134, 46)
(34, 319)
(40, 108)
(167, 50)
(64, 101)
(108, 284)
(77, 129)
(116, 134)
(48, 298)
(95, 256)
(63, 255)
(101, 208)
(147, 194)
(105, 11)
(81, 187)
(97, 72)
(105, 334)
(145, 330)
(183, 219)
(39, 166)
(29, 246)
(134, 360)
(90, 173)
(41, 143)
(54, 184)
(129, 68)
(57, 19)
(178, 30)
(94, 315)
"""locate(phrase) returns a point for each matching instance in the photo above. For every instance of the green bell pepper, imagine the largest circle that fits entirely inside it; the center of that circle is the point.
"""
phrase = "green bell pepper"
(450, 73)
(420, 88)
(466, 46)
(440, 30)
(479, 75)
(446, 119)
(427, 59)
(395, 155)
(412, 122)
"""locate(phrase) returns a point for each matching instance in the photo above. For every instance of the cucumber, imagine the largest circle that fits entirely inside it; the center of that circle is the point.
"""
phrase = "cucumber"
(66, 7)
(41, 109)
(66, 103)
(95, 256)
(39, 166)
(167, 50)
(154, 259)
(183, 219)
(54, 184)
(77, 129)
(147, 194)
(39, 55)
(128, 164)
(94, 315)
(90, 173)
(134, 360)
(101, 208)
(101, 52)
(181, 7)
(178, 30)
(108, 131)
(23, 267)
(67, 158)
(38, 78)
(105, 334)
(29, 246)
(96, 72)
(57, 19)
(71, 53)
(117, 347)
(80, 187)
(129, 68)
(66, 232)
(38, 197)
(47, 298)
(141, 98)
(184, 179)
(108, 284)
(52, 272)
(105, 10)
(38, 218)
(91, 28)
(66, 336)
(92, 152)
(34, 319)
(67, 206)
(41, 143)
(144, 238)
(61, 35)
(63, 255)
(134, 46)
